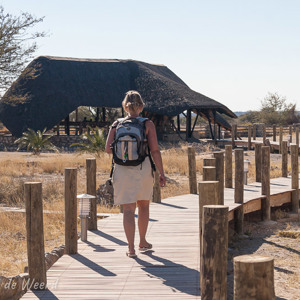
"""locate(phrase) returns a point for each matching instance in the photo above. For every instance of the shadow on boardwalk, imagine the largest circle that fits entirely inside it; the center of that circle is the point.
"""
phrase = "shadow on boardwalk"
(177, 276)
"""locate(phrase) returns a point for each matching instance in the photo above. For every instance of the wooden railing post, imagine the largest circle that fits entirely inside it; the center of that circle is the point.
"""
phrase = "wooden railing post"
(192, 170)
(295, 177)
(280, 137)
(213, 274)
(228, 166)
(71, 210)
(264, 134)
(297, 136)
(219, 156)
(284, 158)
(258, 162)
(254, 132)
(35, 235)
(156, 188)
(209, 162)
(253, 277)
(274, 133)
(91, 169)
(233, 136)
(239, 190)
(291, 133)
(265, 183)
(249, 137)
(209, 173)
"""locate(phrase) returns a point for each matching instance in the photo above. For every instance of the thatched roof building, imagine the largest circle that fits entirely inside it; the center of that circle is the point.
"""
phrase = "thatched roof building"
(52, 87)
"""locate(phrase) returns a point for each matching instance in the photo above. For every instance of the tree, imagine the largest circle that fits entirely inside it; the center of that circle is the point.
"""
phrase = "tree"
(17, 45)
(35, 141)
(276, 110)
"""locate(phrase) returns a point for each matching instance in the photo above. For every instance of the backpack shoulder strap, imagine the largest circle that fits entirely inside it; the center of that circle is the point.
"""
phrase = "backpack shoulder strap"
(142, 120)
(117, 122)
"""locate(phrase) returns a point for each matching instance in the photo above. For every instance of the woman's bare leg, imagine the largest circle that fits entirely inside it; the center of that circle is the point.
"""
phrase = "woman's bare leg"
(129, 224)
(143, 221)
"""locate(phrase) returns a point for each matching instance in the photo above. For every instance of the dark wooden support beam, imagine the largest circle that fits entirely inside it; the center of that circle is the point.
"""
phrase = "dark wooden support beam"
(178, 123)
(103, 114)
(122, 112)
(188, 123)
(219, 131)
(97, 114)
(215, 128)
(67, 125)
(194, 124)
(211, 132)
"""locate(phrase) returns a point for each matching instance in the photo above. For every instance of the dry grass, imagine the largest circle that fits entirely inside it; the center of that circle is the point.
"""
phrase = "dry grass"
(17, 168)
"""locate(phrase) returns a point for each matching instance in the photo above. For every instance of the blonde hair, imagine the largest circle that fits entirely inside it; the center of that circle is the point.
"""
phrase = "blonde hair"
(133, 102)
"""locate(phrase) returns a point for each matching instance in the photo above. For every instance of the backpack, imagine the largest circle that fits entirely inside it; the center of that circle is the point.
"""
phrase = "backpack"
(130, 146)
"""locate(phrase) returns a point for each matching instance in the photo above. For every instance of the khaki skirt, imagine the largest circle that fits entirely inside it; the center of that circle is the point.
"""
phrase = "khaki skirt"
(132, 183)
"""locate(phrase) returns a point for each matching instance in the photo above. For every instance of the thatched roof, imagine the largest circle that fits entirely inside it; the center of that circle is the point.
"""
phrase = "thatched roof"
(52, 87)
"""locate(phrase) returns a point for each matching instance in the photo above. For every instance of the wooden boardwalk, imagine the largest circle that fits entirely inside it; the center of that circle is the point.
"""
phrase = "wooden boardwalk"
(101, 270)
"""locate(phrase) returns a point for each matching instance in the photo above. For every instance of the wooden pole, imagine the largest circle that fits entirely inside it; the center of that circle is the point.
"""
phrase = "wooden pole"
(209, 173)
(264, 134)
(249, 137)
(192, 170)
(209, 162)
(233, 136)
(284, 158)
(91, 169)
(228, 166)
(274, 133)
(213, 275)
(254, 131)
(35, 235)
(188, 123)
(297, 136)
(156, 188)
(253, 277)
(239, 190)
(265, 183)
(258, 162)
(291, 133)
(71, 211)
(295, 177)
(280, 137)
(219, 156)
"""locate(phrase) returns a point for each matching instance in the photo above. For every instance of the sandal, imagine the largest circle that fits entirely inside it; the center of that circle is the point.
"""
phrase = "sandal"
(146, 248)
(131, 255)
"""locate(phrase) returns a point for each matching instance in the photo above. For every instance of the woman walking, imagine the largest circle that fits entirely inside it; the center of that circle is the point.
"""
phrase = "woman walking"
(133, 185)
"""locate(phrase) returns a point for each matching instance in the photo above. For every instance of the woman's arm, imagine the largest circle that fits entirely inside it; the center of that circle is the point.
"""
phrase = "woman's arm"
(109, 140)
(155, 152)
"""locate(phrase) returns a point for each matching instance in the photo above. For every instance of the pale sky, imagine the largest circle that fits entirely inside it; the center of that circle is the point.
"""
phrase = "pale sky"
(233, 51)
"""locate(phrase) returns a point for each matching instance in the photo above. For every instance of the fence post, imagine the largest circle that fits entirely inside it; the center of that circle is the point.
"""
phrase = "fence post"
(233, 136)
(219, 156)
(209, 162)
(35, 235)
(280, 137)
(253, 277)
(258, 162)
(91, 190)
(213, 275)
(264, 134)
(295, 177)
(254, 132)
(71, 210)
(209, 173)
(192, 170)
(239, 190)
(284, 158)
(265, 183)
(228, 166)
(291, 133)
(274, 133)
(156, 188)
(249, 137)
(297, 136)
